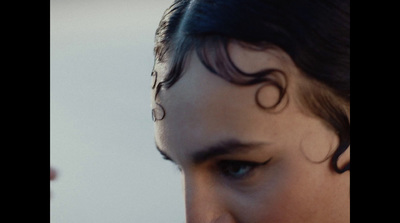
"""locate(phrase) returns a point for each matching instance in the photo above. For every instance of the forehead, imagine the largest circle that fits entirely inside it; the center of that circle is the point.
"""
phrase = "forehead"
(202, 108)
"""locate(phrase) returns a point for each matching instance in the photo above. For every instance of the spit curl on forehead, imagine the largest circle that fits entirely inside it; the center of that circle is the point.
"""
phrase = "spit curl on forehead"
(157, 111)
(214, 53)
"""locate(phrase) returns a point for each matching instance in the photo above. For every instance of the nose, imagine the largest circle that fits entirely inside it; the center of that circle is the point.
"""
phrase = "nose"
(204, 203)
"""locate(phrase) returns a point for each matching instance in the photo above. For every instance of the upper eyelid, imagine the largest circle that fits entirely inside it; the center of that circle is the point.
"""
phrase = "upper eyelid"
(245, 162)
(250, 163)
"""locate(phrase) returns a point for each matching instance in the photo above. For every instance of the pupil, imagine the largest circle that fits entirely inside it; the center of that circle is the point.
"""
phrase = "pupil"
(237, 168)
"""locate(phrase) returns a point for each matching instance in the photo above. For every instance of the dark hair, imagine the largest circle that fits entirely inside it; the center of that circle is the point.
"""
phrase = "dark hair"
(314, 33)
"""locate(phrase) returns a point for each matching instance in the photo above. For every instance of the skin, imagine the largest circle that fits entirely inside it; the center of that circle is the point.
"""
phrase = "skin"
(205, 113)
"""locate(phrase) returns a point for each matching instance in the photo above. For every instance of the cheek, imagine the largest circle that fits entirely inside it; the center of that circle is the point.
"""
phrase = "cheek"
(291, 202)
(287, 196)
(266, 202)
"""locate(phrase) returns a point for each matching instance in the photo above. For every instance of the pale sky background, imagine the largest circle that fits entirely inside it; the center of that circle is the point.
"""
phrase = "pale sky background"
(102, 144)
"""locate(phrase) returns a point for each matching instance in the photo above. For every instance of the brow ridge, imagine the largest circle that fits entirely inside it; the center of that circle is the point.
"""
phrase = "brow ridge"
(223, 148)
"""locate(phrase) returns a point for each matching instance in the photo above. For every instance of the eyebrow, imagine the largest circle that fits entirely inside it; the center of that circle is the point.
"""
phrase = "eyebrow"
(164, 155)
(225, 147)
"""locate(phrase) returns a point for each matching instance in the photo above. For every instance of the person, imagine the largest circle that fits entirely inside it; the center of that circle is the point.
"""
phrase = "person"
(251, 100)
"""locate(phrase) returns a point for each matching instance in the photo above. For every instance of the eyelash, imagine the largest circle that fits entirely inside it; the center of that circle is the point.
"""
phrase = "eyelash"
(224, 165)
(231, 168)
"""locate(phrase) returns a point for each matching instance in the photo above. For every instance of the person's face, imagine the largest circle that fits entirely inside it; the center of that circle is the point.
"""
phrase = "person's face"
(241, 163)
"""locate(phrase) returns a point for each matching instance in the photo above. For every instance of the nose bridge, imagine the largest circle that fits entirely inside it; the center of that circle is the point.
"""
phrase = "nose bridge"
(204, 204)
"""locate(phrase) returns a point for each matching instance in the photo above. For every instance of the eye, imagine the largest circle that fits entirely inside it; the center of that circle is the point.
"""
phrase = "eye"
(238, 169)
